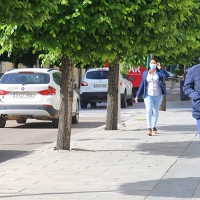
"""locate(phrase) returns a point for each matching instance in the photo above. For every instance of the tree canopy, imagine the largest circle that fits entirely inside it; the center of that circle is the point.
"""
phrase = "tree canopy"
(90, 30)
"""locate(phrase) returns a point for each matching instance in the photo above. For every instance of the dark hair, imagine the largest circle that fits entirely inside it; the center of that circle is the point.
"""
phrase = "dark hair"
(153, 58)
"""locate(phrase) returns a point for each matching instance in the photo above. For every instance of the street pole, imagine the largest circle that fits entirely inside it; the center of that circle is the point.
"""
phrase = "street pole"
(37, 63)
(163, 103)
(147, 63)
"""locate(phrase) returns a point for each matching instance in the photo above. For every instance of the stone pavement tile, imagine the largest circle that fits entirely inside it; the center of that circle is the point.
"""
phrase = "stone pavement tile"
(42, 184)
(103, 183)
(119, 168)
(182, 171)
(64, 194)
(20, 183)
(111, 175)
(76, 185)
(134, 176)
(121, 196)
(165, 198)
(108, 170)
(89, 170)
(155, 175)
(46, 194)
(17, 197)
(136, 185)
(10, 190)
(9, 177)
(4, 171)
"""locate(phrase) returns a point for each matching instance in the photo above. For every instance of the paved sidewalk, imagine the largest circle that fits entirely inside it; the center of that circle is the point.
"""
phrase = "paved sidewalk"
(118, 165)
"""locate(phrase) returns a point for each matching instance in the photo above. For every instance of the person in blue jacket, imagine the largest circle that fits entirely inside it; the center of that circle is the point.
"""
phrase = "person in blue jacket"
(153, 87)
(191, 88)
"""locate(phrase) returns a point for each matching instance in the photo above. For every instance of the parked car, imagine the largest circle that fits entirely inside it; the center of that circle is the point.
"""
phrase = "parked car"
(94, 88)
(32, 93)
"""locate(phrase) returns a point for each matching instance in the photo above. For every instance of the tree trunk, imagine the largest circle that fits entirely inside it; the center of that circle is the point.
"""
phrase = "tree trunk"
(112, 99)
(65, 113)
(163, 103)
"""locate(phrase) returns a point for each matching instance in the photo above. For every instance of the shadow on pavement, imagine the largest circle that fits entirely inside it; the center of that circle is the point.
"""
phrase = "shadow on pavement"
(168, 149)
(171, 187)
(186, 129)
(48, 125)
(176, 149)
(169, 129)
(12, 154)
(35, 125)
(89, 125)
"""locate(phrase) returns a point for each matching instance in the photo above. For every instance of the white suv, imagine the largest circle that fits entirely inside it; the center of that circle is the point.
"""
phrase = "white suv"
(32, 93)
(94, 88)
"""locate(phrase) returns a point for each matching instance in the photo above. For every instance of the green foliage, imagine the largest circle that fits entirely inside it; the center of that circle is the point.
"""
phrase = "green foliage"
(127, 63)
(178, 75)
(27, 13)
(88, 30)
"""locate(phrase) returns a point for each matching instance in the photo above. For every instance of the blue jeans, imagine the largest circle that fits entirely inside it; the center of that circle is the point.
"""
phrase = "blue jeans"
(152, 104)
(198, 125)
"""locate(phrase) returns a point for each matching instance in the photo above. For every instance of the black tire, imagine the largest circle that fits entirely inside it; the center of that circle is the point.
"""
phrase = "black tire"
(21, 121)
(93, 104)
(55, 122)
(2, 122)
(130, 101)
(83, 104)
(75, 118)
(123, 100)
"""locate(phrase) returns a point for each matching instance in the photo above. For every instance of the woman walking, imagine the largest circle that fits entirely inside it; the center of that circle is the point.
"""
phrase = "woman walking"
(153, 88)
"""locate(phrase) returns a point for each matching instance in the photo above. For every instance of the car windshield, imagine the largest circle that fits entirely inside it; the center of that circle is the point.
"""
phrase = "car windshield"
(25, 78)
(97, 75)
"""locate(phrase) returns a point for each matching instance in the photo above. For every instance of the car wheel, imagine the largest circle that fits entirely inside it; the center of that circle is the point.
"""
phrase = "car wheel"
(93, 104)
(130, 101)
(83, 104)
(2, 122)
(55, 122)
(21, 121)
(123, 100)
(75, 118)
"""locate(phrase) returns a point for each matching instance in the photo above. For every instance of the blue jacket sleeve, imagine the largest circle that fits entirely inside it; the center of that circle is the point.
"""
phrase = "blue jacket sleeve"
(188, 87)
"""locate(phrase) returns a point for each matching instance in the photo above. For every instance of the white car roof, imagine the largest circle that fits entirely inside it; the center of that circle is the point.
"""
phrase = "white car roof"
(43, 70)
(98, 69)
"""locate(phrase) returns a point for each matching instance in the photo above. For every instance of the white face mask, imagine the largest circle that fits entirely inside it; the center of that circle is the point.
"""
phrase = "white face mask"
(152, 66)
